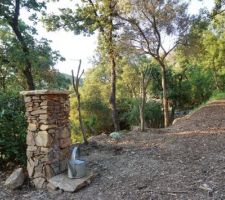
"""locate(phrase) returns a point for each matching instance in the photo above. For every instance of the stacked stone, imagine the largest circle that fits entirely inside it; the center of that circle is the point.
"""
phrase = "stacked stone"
(48, 134)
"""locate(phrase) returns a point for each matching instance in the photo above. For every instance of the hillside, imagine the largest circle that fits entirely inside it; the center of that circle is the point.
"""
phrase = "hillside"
(184, 161)
(67, 76)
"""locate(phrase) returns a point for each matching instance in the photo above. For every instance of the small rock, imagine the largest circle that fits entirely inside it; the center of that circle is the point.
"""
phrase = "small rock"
(45, 127)
(51, 187)
(32, 127)
(16, 179)
(116, 135)
(43, 139)
(39, 183)
(210, 193)
(205, 187)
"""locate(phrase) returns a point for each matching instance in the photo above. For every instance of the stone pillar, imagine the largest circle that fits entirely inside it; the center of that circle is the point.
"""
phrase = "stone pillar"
(48, 134)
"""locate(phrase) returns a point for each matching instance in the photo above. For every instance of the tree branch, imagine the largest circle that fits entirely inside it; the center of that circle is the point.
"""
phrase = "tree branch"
(97, 16)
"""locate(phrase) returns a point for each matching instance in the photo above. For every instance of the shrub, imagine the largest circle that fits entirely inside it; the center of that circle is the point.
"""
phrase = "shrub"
(217, 95)
(13, 129)
(96, 118)
(129, 113)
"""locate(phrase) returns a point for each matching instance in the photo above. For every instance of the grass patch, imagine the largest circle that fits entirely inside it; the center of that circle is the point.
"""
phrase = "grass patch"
(217, 96)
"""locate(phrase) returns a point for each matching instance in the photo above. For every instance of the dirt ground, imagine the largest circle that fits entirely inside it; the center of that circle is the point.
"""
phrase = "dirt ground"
(185, 161)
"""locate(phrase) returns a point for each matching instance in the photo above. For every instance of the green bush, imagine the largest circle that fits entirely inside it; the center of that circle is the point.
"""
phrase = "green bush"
(129, 113)
(217, 95)
(12, 129)
(153, 114)
(96, 118)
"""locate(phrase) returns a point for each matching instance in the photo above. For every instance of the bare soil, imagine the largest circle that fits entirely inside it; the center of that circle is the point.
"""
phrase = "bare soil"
(185, 161)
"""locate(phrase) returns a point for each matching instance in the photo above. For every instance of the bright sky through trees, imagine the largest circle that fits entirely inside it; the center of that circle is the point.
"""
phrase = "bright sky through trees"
(74, 47)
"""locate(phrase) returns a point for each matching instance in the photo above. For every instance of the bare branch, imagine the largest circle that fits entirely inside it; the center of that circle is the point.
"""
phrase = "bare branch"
(75, 82)
(168, 52)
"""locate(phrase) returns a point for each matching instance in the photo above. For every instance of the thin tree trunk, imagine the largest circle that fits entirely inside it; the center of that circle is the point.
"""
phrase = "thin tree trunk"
(112, 99)
(80, 120)
(142, 105)
(215, 76)
(216, 80)
(29, 78)
(165, 98)
(76, 84)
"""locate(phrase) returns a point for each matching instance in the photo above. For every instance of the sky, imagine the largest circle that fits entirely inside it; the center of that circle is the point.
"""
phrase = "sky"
(74, 47)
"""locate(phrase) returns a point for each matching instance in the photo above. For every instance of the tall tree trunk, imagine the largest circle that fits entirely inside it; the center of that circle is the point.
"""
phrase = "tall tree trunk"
(27, 71)
(14, 23)
(165, 98)
(29, 78)
(112, 99)
(142, 104)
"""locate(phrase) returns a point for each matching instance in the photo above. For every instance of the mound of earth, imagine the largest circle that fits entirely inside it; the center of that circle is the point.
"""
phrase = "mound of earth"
(210, 116)
(184, 161)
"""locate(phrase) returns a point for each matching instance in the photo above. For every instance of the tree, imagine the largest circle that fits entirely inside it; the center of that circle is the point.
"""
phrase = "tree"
(76, 84)
(148, 22)
(94, 91)
(218, 8)
(145, 80)
(143, 68)
(89, 17)
(30, 57)
(9, 13)
(205, 47)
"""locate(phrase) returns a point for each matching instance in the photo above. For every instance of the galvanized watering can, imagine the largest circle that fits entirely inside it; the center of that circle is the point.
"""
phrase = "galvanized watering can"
(76, 168)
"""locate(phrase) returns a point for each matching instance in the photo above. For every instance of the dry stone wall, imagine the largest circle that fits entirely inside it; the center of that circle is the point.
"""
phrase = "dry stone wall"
(48, 134)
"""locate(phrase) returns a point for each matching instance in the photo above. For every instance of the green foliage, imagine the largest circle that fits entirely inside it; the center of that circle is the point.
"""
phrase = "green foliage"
(153, 114)
(13, 129)
(217, 96)
(27, 60)
(129, 113)
(96, 117)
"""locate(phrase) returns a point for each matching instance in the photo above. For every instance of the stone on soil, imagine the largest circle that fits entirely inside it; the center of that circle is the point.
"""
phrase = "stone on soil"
(62, 182)
(116, 135)
(16, 179)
